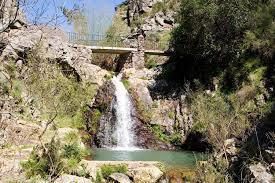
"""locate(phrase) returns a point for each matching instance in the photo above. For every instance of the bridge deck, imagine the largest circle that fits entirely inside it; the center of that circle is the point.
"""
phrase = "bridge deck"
(111, 50)
(157, 52)
(121, 50)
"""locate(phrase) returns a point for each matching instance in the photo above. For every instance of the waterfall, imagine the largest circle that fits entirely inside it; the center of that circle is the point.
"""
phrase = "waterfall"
(123, 134)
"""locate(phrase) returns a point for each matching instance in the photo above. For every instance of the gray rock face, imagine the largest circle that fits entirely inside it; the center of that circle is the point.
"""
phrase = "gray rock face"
(136, 7)
(51, 45)
(259, 174)
(159, 22)
(169, 114)
(106, 123)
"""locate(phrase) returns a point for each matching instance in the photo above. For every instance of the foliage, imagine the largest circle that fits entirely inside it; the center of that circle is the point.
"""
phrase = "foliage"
(99, 177)
(260, 39)
(9, 84)
(78, 19)
(107, 170)
(213, 171)
(159, 7)
(47, 163)
(160, 133)
(209, 40)
(221, 116)
(55, 92)
(150, 63)
(52, 159)
(118, 27)
(95, 117)
(164, 6)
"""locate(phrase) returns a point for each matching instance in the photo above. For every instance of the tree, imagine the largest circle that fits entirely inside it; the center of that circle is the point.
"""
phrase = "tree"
(210, 35)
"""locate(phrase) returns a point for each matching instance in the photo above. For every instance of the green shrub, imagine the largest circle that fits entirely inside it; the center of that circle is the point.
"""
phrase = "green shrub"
(44, 161)
(72, 151)
(171, 114)
(107, 170)
(160, 133)
(96, 115)
(52, 159)
(220, 117)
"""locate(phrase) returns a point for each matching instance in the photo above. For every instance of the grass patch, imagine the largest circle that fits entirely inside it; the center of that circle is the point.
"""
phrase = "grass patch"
(107, 170)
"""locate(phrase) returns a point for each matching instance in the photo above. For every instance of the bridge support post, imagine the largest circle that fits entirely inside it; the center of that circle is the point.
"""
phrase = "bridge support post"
(135, 59)
(138, 56)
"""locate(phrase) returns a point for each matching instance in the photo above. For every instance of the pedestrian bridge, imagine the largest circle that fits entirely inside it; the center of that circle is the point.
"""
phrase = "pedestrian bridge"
(115, 45)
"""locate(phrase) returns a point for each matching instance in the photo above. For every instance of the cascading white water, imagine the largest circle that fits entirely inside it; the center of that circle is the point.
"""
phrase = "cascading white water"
(123, 134)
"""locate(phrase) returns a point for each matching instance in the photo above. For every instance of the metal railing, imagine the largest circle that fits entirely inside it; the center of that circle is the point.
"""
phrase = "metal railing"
(96, 40)
(111, 41)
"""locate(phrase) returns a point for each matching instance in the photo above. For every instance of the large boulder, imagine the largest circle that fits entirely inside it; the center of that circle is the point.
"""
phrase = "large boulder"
(119, 178)
(66, 178)
(148, 174)
(139, 172)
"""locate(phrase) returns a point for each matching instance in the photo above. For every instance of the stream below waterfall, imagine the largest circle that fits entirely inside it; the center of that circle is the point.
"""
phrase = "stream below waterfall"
(185, 159)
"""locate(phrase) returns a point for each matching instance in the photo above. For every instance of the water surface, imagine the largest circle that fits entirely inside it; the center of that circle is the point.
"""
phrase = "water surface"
(180, 158)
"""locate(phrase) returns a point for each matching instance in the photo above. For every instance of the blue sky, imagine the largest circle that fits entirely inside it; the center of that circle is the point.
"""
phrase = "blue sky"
(100, 12)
